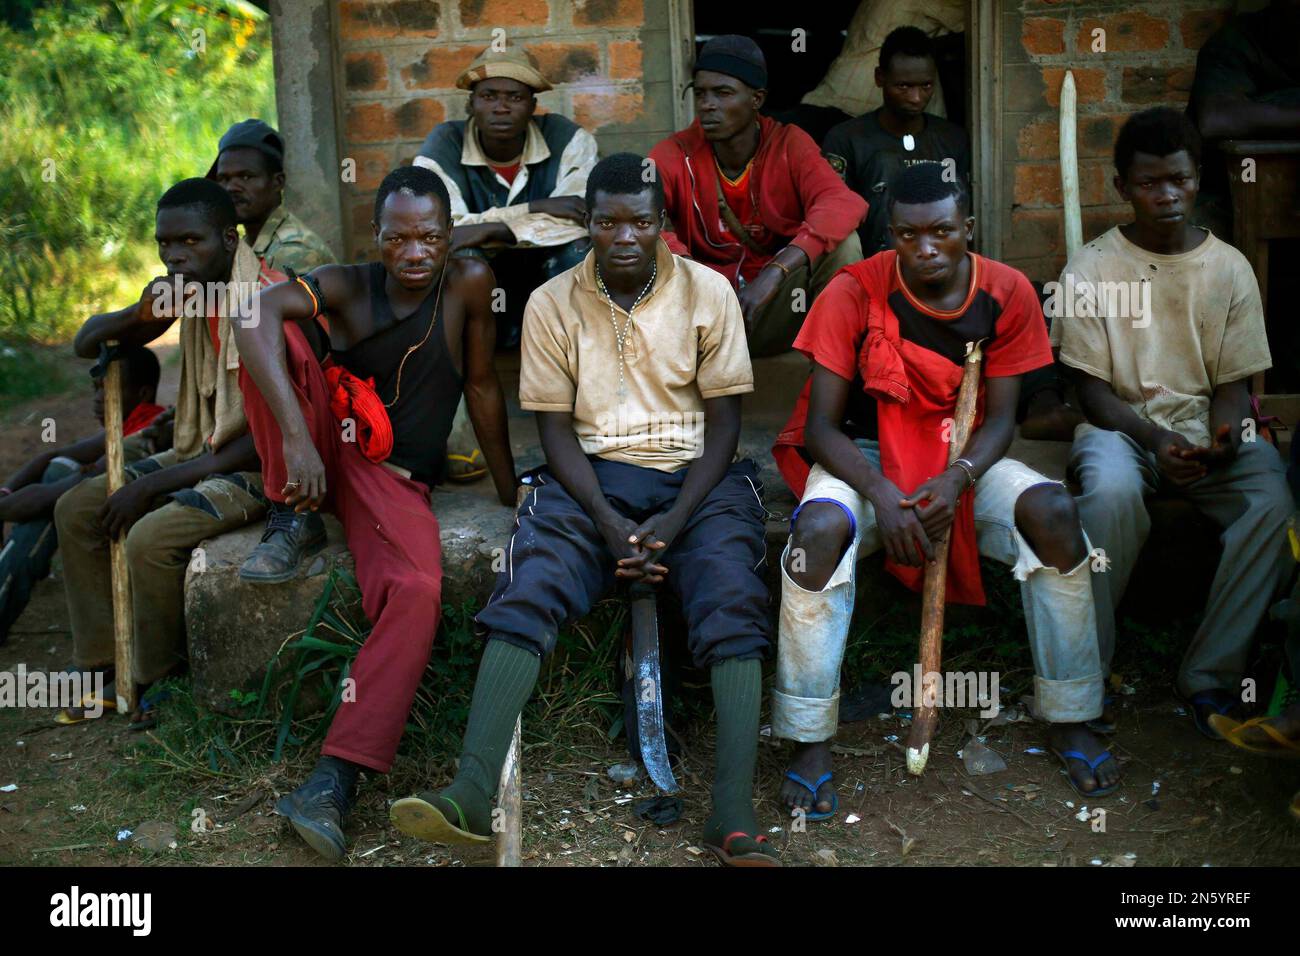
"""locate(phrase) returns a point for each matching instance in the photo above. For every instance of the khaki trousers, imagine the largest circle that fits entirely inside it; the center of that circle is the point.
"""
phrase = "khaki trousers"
(159, 549)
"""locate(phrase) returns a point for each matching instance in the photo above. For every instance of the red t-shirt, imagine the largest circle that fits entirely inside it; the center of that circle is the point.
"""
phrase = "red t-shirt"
(924, 365)
(141, 416)
(508, 173)
(741, 201)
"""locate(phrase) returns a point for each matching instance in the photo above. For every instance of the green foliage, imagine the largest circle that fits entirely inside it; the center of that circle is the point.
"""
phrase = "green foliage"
(103, 105)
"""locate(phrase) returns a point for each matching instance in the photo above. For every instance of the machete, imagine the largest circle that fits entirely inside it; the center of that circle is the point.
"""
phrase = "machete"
(648, 686)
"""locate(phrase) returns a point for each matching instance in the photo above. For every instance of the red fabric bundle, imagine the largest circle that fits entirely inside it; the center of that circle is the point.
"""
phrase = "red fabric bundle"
(356, 398)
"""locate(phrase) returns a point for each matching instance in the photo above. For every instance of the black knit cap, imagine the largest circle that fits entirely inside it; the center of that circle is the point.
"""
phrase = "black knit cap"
(735, 56)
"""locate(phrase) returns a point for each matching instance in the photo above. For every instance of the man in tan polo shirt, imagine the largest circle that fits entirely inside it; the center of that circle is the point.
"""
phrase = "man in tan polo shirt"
(635, 361)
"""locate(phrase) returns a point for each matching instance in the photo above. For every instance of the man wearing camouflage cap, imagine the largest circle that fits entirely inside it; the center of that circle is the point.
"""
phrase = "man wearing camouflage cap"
(250, 167)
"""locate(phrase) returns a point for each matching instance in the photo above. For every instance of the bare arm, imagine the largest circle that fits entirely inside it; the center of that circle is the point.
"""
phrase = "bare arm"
(85, 451)
(481, 234)
(137, 324)
(484, 398)
(1233, 116)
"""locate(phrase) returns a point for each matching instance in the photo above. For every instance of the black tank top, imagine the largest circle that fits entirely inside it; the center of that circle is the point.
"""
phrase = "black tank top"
(431, 387)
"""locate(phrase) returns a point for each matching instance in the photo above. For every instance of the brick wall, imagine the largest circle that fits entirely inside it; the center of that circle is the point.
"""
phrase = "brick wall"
(398, 61)
(1149, 60)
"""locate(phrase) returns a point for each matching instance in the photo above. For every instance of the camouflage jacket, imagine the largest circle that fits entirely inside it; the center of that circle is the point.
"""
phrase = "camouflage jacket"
(285, 243)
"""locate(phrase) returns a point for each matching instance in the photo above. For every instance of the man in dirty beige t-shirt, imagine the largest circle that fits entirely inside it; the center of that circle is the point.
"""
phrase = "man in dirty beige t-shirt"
(635, 361)
(1162, 323)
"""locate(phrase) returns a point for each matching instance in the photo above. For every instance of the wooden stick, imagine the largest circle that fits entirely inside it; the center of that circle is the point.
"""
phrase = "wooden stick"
(510, 837)
(926, 716)
(122, 630)
(1069, 155)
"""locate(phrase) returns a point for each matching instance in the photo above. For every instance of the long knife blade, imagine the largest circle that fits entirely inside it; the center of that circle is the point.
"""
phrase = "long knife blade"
(649, 688)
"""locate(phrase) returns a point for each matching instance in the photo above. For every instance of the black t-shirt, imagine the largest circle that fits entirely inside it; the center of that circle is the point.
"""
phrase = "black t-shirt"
(869, 157)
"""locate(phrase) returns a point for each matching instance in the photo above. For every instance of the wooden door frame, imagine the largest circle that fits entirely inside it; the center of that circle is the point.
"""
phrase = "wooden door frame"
(984, 120)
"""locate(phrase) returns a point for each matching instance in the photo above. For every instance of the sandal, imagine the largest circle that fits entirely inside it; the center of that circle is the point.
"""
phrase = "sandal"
(1206, 702)
(465, 468)
(420, 817)
(1231, 731)
(755, 858)
(812, 816)
(145, 715)
(76, 714)
(1067, 755)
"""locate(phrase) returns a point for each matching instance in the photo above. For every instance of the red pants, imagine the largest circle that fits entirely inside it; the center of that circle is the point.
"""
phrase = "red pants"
(395, 541)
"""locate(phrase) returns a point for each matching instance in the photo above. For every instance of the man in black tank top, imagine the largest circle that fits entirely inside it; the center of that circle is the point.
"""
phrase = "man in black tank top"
(421, 326)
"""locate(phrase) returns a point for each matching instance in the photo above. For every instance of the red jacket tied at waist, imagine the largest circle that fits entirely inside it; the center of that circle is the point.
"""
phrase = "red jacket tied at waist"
(356, 398)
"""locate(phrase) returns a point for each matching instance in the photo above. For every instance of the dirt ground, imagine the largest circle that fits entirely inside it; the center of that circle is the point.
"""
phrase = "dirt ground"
(1183, 801)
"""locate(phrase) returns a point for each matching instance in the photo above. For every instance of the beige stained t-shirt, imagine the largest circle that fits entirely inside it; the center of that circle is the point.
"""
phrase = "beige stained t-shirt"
(1205, 326)
(686, 344)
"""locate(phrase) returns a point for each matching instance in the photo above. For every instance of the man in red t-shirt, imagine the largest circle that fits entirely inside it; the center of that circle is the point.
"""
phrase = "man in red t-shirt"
(866, 450)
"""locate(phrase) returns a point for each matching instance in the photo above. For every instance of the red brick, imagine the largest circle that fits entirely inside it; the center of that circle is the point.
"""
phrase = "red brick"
(1089, 85)
(594, 110)
(608, 13)
(503, 13)
(365, 71)
(1096, 133)
(1043, 36)
(625, 60)
(1038, 140)
(386, 123)
(363, 212)
(1039, 184)
(1198, 25)
(1157, 84)
(415, 118)
(379, 19)
(439, 67)
(368, 123)
(1034, 233)
(1125, 33)
(566, 62)
(372, 166)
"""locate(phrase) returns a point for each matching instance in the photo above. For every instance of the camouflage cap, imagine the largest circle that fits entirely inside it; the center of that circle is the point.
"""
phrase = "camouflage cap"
(513, 63)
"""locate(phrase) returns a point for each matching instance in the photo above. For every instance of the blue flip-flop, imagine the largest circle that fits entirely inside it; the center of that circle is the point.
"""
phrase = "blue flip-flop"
(1093, 764)
(1207, 698)
(814, 815)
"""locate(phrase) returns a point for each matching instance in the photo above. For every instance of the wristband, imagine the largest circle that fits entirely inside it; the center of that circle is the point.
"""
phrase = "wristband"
(969, 468)
(785, 270)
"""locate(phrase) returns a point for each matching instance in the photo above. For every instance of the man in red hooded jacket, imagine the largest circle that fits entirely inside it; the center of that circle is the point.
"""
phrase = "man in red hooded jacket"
(754, 199)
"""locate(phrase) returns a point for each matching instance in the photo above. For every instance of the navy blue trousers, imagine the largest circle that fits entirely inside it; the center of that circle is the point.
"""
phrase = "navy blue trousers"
(558, 566)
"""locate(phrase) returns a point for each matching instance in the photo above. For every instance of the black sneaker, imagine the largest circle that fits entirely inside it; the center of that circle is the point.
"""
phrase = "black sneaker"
(289, 537)
(316, 810)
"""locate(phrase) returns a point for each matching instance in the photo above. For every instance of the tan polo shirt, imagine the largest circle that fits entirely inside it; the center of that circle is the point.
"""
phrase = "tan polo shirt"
(686, 344)
(1163, 331)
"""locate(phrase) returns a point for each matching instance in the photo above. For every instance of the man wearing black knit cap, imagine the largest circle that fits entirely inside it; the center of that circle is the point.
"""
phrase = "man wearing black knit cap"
(250, 167)
(753, 199)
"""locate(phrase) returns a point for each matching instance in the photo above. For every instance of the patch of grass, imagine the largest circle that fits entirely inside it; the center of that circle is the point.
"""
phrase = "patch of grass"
(29, 371)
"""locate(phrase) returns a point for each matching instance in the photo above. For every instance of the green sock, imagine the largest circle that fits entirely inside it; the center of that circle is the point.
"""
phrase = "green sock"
(737, 689)
(505, 680)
